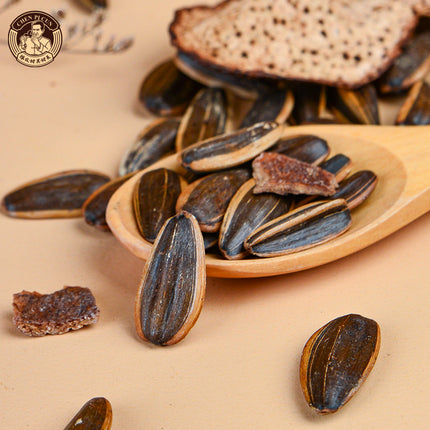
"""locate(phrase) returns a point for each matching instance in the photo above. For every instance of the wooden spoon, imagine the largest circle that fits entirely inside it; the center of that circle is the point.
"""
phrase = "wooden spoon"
(400, 156)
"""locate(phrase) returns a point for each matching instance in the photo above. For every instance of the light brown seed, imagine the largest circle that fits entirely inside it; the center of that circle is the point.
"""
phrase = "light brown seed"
(205, 117)
(245, 213)
(155, 142)
(60, 195)
(172, 289)
(277, 173)
(300, 229)
(337, 359)
(416, 108)
(94, 208)
(232, 149)
(154, 200)
(207, 198)
(166, 91)
(96, 414)
(358, 106)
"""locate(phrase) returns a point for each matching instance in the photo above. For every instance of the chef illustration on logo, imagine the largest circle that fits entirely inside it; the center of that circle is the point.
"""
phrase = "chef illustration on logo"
(35, 38)
(34, 43)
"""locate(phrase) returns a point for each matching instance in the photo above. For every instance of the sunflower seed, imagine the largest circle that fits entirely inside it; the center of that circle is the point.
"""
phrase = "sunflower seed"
(210, 240)
(309, 103)
(325, 121)
(96, 414)
(207, 198)
(230, 149)
(416, 108)
(339, 165)
(242, 86)
(93, 5)
(273, 106)
(154, 200)
(172, 289)
(304, 147)
(166, 91)
(300, 229)
(337, 359)
(277, 173)
(356, 188)
(409, 67)
(245, 213)
(155, 142)
(205, 117)
(94, 208)
(60, 195)
(358, 106)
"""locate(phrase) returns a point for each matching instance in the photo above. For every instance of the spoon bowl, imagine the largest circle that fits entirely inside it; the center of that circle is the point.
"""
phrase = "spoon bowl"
(400, 157)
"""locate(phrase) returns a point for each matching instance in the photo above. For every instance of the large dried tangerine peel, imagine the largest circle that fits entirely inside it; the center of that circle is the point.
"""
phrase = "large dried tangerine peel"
(343, 43)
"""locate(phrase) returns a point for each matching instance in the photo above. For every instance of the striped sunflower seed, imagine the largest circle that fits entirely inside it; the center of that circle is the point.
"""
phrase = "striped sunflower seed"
(273, 106)
(416, 108)
(93, 5)
(210, 240)
(154, 200)
(339, 165)
(155, 142)
(304, 147)
(325, 121)
(358, 106)
(242, 86)
(94, 208)
(232, 149)
(337, 359)
(207, 198)
(166, 91)
(309, 103)
(60, 195)
(409, 67)
(245, 213)
(356, 188)
(172, 289)
(96, 414)
(205, 117)
(300, 229)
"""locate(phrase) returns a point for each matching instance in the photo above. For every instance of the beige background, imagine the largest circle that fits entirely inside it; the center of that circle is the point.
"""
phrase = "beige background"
(238, 368)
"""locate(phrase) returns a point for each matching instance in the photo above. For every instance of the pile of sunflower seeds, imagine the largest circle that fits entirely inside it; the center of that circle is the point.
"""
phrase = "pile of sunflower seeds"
(242, 191)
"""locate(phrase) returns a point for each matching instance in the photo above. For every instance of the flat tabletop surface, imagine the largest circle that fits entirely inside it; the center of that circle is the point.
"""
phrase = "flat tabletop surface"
(239, 366)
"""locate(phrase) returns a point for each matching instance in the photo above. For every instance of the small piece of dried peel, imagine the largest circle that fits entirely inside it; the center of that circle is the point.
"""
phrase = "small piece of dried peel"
(280, 174)
(38, 314)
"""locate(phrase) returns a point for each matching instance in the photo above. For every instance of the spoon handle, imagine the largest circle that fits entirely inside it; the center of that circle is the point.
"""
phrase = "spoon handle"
(410, 146)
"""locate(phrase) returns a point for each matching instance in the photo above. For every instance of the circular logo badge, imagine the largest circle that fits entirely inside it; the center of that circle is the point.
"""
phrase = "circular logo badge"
(35, 38)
